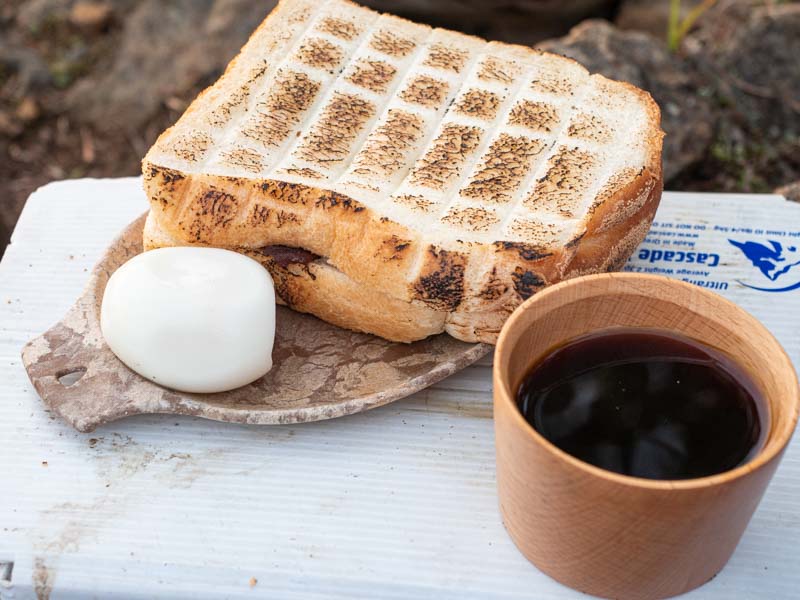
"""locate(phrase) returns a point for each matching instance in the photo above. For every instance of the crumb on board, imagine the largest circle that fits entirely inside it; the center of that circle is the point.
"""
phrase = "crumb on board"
(44, 463)
(253, 581)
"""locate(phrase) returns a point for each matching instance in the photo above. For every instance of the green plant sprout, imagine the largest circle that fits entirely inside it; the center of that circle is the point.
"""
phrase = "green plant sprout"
(677, 28)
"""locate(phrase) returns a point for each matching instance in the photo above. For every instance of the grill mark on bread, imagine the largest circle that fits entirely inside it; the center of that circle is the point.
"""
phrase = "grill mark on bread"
(290, 95)
(494, 288)
(526, 251)
(569, 175)
(446, 58)
(414, 202)
(526, 283)
(471, 218)
(213, 209)
(239, 97)
(385, 151)
(373, 75)
(331, 138)
(496, 69)
(168, 176)
(425, 91)
(166, 185)
(362, 185)
(219, 204)
(540, 234)
(504, 166)
(222, 113)
(320, 54)
(590, 128)
(244, 158)
(602, 95)
(257, 72)
(537, 116)
(285, 192)
(259, 215)
(550, 82)
(391, 44)
(304, 172)
(441, 282)
(392, 248)
(330, 200)
(262, 216)
(446, 156)
(340, 28)
(282, 217)
(481, 104)
(192, 146)
(299, 15)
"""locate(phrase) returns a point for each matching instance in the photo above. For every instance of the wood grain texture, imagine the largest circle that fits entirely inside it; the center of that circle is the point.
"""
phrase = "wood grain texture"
(608, 534)
(320, 371)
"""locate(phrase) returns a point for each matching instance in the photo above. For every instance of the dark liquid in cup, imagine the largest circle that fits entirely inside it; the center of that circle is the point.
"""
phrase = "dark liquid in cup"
(645, 403)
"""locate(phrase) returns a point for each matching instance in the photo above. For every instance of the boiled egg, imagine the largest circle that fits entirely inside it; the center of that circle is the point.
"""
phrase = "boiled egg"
(191, 319)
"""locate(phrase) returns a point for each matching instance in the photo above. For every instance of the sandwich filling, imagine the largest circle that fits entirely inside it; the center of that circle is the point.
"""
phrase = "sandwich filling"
(284, 256)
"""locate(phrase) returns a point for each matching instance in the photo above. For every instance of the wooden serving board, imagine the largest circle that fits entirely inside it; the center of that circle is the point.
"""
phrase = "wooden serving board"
(320, 371)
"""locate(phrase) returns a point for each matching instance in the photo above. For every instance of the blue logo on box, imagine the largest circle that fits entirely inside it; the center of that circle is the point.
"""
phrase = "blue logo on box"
(773, 260)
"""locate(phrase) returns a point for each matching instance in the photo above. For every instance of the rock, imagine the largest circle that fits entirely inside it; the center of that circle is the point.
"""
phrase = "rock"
(790, 191)
(33, 15)
(69, 65)
(26, 64)
(91, 16)
(749, 55)
(236, 20)
(9, 126)
(28, 110)
(758, 68)
(721, 22)
(518, 21)
(686, 112)
(166, 49)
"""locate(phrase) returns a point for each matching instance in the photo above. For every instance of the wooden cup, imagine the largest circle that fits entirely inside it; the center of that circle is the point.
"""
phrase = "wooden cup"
(608, 534)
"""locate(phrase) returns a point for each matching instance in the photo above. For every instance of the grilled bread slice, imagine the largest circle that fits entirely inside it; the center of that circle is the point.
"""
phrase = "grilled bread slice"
(433, 167)
(308, 283)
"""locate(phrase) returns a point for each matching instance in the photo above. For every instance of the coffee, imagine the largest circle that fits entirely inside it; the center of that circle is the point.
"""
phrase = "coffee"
(645, 403)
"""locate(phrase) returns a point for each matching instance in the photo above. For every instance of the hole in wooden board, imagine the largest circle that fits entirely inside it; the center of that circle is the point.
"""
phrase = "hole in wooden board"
(70, 376)
(6, 568)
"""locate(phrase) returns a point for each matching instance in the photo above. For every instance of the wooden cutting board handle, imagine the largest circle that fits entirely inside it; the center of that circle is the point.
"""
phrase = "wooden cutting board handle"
(320, 371)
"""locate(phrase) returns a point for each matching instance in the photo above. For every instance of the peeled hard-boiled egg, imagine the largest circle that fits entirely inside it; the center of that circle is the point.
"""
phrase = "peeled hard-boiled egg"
(191, 319)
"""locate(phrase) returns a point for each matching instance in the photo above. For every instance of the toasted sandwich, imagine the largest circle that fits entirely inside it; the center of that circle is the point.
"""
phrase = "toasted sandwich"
(404, 180)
